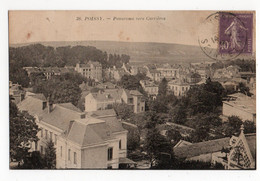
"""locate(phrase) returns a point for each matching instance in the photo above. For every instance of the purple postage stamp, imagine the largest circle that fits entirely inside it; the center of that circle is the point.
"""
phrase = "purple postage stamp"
(235, 33)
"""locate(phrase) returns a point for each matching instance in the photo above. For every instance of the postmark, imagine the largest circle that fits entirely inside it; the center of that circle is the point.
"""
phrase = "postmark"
(225, 35)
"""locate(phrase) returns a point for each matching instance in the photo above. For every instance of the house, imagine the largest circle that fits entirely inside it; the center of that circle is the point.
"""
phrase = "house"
(106, 85)
(91, 70)
(228, 72)
(94, 140)
(193, 78)
(132, 70)
(119, 73)
(48, 72)
(169, 71)
(153, 73)
(240, 105)
(179, 88)
(206, 151)
(104, 99)
(150, 87)
(135, 99)
(237, 152)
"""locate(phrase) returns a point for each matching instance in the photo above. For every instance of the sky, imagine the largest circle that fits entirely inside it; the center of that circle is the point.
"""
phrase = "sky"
(180, 27)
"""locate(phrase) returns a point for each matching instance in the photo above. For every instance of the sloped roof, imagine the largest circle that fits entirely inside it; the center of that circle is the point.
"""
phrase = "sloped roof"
(109, 116)
(200, 148)
(114, 124)
(61, 115)
(108, 94)
(106, 85)
(39, 96)
(70, 106)
(32, 104)
(135, 93)
(102, 113)
(88, 131)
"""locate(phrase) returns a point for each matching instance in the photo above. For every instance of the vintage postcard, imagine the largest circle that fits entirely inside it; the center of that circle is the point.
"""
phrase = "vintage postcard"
(132, 90)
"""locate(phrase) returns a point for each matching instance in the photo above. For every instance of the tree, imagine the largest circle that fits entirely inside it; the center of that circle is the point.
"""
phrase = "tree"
(157, 148)
(163, 86)
(178, 114)
(173, 136)
(232, 126)
(66, 91)
(123, 111)
(23, 130)
(133, 140)
(50, 155)
(249, 126)
(34, 160)
(244, 89)
(18, 75)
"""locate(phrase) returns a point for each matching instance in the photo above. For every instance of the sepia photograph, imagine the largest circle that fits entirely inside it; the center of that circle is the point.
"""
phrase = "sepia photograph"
(132, 89)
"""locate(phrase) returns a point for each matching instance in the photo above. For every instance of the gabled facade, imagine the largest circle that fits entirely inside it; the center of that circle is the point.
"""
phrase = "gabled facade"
(243, 152)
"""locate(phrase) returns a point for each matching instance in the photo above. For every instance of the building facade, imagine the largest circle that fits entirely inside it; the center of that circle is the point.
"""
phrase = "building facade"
(91, 70)
(81, 141)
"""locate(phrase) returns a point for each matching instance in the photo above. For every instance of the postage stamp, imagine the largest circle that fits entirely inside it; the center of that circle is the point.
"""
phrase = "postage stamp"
(226, 35)
(235, 33)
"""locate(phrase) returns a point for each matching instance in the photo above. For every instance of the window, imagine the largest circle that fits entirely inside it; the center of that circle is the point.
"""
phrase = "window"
(120, 144)
(46, 134)
(51, 136)
(61, 151)
(142, 108)
(41, 132)
(110, 154)
(69, 154)
(75, 158)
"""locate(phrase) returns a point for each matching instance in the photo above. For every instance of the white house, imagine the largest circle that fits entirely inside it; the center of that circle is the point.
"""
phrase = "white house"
(95, 140)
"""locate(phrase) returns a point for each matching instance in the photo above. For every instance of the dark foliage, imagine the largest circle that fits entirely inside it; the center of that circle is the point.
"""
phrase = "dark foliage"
(23, 130)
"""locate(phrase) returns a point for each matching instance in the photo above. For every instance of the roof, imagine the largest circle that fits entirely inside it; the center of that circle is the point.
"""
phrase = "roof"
(114, 124)
(33, 104)
(70, 106)
(251, 141)
(102, 113)
(108, 95)
(243, 102)
(135, 93)
(61, 115)
(88, 131)
(182, 143)
(109, 116)
(200, 148)
(106, 85)
(178, 82)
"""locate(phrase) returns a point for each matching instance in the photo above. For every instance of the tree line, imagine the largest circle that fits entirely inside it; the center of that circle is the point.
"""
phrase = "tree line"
(39, 55)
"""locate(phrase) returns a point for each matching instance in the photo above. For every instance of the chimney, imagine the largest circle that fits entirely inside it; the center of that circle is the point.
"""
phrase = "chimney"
(44, 105)
(22, 96)
(49, 105)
